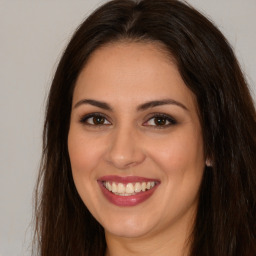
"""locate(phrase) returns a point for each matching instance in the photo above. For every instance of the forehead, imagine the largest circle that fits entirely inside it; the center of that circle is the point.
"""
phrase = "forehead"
(136, 70)
(143, 46)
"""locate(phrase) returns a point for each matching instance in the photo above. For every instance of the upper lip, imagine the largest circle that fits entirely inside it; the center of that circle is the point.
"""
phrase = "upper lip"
(125, 179)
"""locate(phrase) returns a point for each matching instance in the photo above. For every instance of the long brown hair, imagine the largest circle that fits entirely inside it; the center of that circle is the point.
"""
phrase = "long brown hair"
(225, 223)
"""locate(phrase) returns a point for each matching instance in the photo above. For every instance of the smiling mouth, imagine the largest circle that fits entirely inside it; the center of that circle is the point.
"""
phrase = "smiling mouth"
(129, 189)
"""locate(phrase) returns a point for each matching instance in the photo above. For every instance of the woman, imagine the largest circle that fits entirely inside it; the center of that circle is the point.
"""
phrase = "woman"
(149, 139)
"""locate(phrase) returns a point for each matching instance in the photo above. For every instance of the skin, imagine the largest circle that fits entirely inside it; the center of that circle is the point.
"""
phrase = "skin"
(130, 142)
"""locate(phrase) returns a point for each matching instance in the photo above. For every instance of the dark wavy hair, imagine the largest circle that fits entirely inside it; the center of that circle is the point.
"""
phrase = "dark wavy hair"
(225, 224)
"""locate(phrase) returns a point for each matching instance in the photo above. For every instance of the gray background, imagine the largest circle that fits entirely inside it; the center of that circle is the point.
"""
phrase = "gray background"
(32, 37)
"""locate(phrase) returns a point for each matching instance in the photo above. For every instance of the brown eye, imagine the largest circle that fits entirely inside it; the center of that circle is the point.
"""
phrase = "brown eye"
(94, 119)
(160, 121)
(98, 120)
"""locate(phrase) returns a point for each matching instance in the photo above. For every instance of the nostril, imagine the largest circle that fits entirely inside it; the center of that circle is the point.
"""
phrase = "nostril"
(122, 161)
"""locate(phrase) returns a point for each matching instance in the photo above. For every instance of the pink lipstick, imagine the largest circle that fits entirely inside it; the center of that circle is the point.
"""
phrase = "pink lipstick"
(127, 191)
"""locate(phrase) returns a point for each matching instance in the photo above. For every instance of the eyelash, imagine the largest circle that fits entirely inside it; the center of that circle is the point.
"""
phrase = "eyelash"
(162, 117)
(84, 119)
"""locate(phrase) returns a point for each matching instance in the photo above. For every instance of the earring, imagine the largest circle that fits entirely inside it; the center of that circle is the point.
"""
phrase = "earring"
(208, 162)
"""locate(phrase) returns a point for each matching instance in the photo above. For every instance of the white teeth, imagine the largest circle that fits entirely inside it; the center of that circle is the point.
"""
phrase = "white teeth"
(108, 186)
(114, 187)
(143, 186)
(128, 189)
(120, 188)
(137, 187)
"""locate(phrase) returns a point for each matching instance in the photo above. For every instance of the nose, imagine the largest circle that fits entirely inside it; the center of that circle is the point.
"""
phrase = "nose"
(125, 149)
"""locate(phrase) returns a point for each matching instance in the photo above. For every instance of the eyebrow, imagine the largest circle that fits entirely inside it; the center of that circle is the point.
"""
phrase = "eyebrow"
(96, 103)
(142, 107)
(156, 103)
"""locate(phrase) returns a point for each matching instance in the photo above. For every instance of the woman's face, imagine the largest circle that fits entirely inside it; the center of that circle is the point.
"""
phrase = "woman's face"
(135, 141)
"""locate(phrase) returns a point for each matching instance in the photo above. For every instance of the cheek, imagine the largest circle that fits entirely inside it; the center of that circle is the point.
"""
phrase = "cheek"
(181, 160)
(84, 156)
(84, 153)
(179, 153)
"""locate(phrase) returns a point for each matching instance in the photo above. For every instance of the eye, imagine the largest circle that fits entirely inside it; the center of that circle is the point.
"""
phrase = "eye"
(160, 121)
(95, 119)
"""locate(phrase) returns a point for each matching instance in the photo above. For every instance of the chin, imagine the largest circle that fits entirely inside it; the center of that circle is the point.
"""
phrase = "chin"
(128, 228)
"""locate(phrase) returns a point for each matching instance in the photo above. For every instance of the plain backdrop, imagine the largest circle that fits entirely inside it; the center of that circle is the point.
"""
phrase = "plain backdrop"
(32, 37)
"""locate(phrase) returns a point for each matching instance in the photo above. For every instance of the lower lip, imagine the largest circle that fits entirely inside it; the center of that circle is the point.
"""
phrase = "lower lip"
(127, 200)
